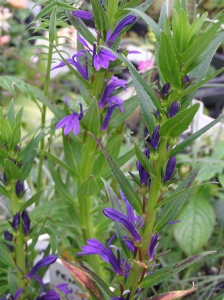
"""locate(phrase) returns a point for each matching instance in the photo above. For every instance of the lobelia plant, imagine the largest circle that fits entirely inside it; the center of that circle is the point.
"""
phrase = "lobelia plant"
(129, 264)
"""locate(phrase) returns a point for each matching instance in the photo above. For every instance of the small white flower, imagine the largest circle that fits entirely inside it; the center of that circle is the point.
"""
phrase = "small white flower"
(4, 15)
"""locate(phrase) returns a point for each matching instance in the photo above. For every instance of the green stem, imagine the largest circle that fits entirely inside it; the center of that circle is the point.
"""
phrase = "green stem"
(43, 119)
(20, 257)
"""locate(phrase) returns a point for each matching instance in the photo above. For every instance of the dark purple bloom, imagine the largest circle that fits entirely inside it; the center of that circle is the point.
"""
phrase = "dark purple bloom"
(46, 261)
(5, 178)
(186, 79)
(26, 222)
(173, 109)
(53, 295)
(116, 216)
(128, 20)
(16, 221)
(152, 246)
(75, 61)
(70, 122)
(100, 57)
(83, 14)
(19, 188)
(143, 174)
(170, 167)
(107, 97)
(111, 101)
(8, 236)
(96, 247)
(155, 138)
(165, 89)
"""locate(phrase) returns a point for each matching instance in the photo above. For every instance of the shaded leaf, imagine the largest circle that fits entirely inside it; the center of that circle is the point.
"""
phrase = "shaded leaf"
(165, 273)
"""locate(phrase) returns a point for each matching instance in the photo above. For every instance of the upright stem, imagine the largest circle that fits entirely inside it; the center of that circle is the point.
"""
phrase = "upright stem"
(43, 118)
(19, 248)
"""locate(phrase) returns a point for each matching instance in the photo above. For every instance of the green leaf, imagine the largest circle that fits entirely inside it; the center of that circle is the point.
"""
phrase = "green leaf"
(10, 114)
(179, 123)
(122, 11)
(149, 21)
(12, 171)
(148, 100)
(5, 131)
(198, 46)
(65, 6)
(81, 28)
(60, 163)
(165, 273)
(8, 82)
(197, 223)
(119, 118)
(170, 210)
(194, 136)
(44, 11)
(196, 26)
(91, 121)
(15, 137)
(167, 62)
(124, 183)
(52, 24)
(5, 256)
(32, 200)
(88, 188)
(27, 155)
(100, 17)
(181, 32)
(143, 160)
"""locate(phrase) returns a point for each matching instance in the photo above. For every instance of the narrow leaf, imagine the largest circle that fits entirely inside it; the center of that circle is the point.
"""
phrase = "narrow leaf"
(179, 123)
(125, 185)
(194, 136)
(165, 273)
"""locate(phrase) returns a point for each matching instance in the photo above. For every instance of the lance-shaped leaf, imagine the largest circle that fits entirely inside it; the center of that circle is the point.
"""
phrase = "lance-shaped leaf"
(194, 136)
(144, 161)
(171, 209)
(100, 17)
(124, 183)
(167, 62)
(179, 123)
(91, 121)
(165, 273)
(87, 279)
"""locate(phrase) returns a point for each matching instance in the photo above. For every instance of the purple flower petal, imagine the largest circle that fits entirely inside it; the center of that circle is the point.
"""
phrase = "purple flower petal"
(46, 261)
(118, 217)
(83, 14)
(152, 246)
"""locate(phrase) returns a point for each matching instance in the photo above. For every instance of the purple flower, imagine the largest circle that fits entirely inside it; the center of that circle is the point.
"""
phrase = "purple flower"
(53, 295)
(96, 247)
(15, 297)
(170, 167)
(70, 122)
(116, 216)
(143, 174)
(152, 246)
(46, 261)
(165, 89)
(111, 101)
(19, 188)
(186, 79)
(173, 222)
(155, 138)
(8, 236)
(26, 222)
(82, 14)
(16, 221)
(75, 61)
(128, 20)
(173, 109)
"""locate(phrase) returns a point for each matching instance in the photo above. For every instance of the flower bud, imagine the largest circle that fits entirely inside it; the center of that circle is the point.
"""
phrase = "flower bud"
(19, 188)
(8, 236)
(186, 79)
(165, 89)
(155, 138)
(26, 222)
(16, 221)
(173, 109)
(170, 167)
